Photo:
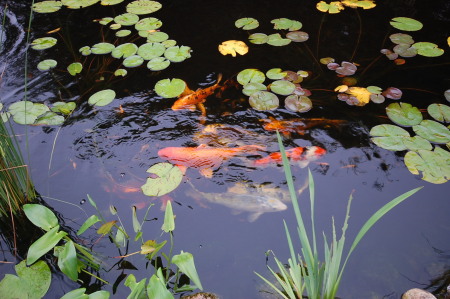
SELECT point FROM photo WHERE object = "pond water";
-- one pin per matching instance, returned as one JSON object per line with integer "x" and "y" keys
{"x": 105, "y": 152}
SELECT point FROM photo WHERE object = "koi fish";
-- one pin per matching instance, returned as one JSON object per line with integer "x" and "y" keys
{"x": 302, "y": 156}
{"x": 194, "y": 99}
{"x": 299, "y": 125}
{"x": 205, "y": 159}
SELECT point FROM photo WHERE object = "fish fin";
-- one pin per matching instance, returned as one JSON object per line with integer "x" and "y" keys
{"x": 206, "y": 172}
{"x": 186, "y": 92}
{"x": 219, "y": 78}
{"x": 191, "y": 107}
{"x": 253, "y": 216}
{"x": 202, "y": 108}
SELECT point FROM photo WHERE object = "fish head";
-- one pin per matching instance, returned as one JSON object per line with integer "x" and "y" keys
{"x": 317, "y": 151}
{"x": 166, "y": 152}
{"x": 273, "y": 205}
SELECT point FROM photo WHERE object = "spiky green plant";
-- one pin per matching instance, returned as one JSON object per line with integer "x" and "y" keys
{"x": 306, "y": 274}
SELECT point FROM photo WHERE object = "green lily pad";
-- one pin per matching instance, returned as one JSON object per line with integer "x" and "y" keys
{"x": 158, "y": 64}
{"x": 251, "y": 88}
{"x": 282, "y": 87}
{"x": 374, "y": 89}
{"x": 264, "y": 100}
{"x": 258, "y": 38}
{"x": 169, "y": 43}
{"x": 275, "y": 74}
{"x": 167, "y": 88}
{"x": 115, "y": 26}
{"x": 250, "y": 76}
{"x": 297, "y": 36}
{"x": 432, "y": 131}
{"x": 46, "y": 64}
{"x": 286, "y": 24}
{"x": 102, "y": 97}
{"x": 406, "y": 24}
{"x": 447, "y": 95}
{"x": 133, "y": 61}
{"x": 247, "y": 23}
{"x": 50, "y": 119}
{"x": 75, "y": 68}
{"x": 298, "y": 103}
{"x": 404, "y": 114}
{"x": 276, "y": 40}
{"x": 126, "y": 19}
{"x": 120, "y": 72}
{"x": 157, "y": 37}
{"x": 148, "y": 24}
{"x": 149, "y": 51}
{"x": 165, "y": 178}
{"x": 77, "y": 4}
{"x": 47, "y": 6}
{"x": 43, "y": 43}
{"x": 332, "y": 8}
{"x": 416, "y": 143}
{"x": 63, "y": 107}
{"x": 389, "y": 137}
{"x": 428, "y": 49}
{"x": 401, "y": 38}
{"x": 110, "y": 2}
{"x": 102, "y": 48}
{"x": 123, "y": 33}
{"x": 124, "y": 50}
{"x": 439, "y": 112}
{"x": 178, "y": 53}
{"x": 434, "y": 165}
{"x": 405, "y": 50}
{"x": 85, "y": 51}
{"x": 105, "y": 20}
{"x": 143, "y": 7}
{"x": 26, "y": 112}
{"x": 377, "y": 98}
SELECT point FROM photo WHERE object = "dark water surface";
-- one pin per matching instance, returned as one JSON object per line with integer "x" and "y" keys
{"x": 101, "y": 151}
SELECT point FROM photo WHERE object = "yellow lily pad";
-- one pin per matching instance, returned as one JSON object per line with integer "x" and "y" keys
{"x": 232, "y": 47}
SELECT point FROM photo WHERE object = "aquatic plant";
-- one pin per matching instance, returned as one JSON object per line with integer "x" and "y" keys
{"x": 306, "y": 274}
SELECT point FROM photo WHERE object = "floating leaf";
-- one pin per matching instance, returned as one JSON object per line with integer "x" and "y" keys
{"x": 251, "y": 88}
{"x": 158, "y": 63}
{"x": 365, "y": 4}
{"x": 85, "y": 51}
{"x": 157, "y": 37}
{"x": 67, "y": 260}
{"x": 282, "y": 87}
{"x": 275, "y": 74}
{"x": 120, "y": 72}
{"x": 75, "y": 68}
{"x": 298, "y": 103}
{"x": 264, "y": 100}
{"x": 326, "y": 60}
{"x": 401, "y": 38}
{"x": 148, "y": 24}
{"x": 143, "y": 7}
{"x": 43, "y": 43}
{"x": 50, "y": 119}
{"x": 123, "y": 33}
{"x": 432, "y": 131}
{"x": 26, "y": 112}
{"x": 47, "y": 6}
{"x": 124, "y": 50}
{"x": 374, "y": 89}
{"x": 106, "y": 227}
{"x": 416, "y": 143}
{"x": 165, "y": 178}
{"x": 428, "y": 49}
{"x": 346, "y": 68}
{"x": 297, "y": 36}
{"x": 405, "y": 50}
{"x": 447, "y": 95}
{"x": 434, "y": 165}
{"x": 404, "y": 114}
{"x": 76, "y": 4}
{"x": 258, "y": 38}
{"x": 169, "y": 43}
{"x": 361, "y": 94}
{"x": 102, "y": 97}
{"x": 115, "y": 26}
{"x": 377, "y": 98}
{"x": 46, "y": 64}
{"x": 111, "y": 2}
{"x": 286, "y": 24}
{"x": 126, "y": 19}
{"x": 232, "y": 47}
{"x": 151, "y": 50}
{"x": 250, "y": 76}
{"x": 247, "y": 23}
{"x": 133, "y": 61}
{"x": 102, "y": 48}
{"x": 167, "y": 88}
{"x": 276, "y": 40}
{"x": 439, "y": 112}
{"x": 44, "y": 244}
{"x": 406, "y": 24}
{"x": 389, "y": 137}
{"x": 80, "y": 294}
{"x": 105, "y": 20}
{"x": 63, "y": 107}
{"x": 40, "y": 216}
{"x": 332, "y": 8}
{"x": 178, "y": 53}
{"x": 392, "y": 93}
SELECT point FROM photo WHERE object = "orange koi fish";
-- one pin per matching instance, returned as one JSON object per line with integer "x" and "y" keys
{"x": 194, "y": 99}
{"x": 205, "y": 159}
{"x": 300, "y": 155}
{"x": 298, "y": 125}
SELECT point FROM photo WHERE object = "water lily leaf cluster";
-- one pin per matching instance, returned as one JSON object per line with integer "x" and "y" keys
{"x": 344, "y": 69}
{"x": 29, "y": 113}
{"x": 360, "y": 96}
{"x": 135, "y": 7}
{"x": 284, "y": 83}
{"x": 424, "y": 153}
{"x": 337, "y": 6}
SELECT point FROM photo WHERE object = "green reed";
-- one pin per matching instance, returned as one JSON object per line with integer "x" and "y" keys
{"x": 305, "y": 273}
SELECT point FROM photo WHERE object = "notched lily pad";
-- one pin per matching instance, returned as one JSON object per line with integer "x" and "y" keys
{"x": 298, "y": 103}
{"x": 46, "y": 64}
{"x": 77, "y": 4}
{"x": 297, "y": 36}
{"x": 258, "y": 38}
{"x": 165, "y": 178}
{"x": 404, "y": 114}
{"x": 85, "y": 51}
{"x": 75, "y": 68}
{"x": 332, "y": 8}
{"x": 102, "y": 97}
{"x": 157, "y": 37}
{"x": 120, "y": 72}
{"x": 282, "y": 87}
{"x": 50, "y": 119}
{"x": 123, "y": 33}
{"x": 43, "y": 43}
{"x": 439, "y": 112}
{"x": 401, "y": 38}
{"x": 389, "y": 137}
{"x": 406, "y": 24}
{"x": 178, "y": 53}
{"x": 428, "y": 49}
{"x": 158, "y": 63}
{"x": 264, "y": 100}
{"x": 286, "y": 24}
{"x": 276, "y": 74}
{"x": 63, "y": 107}
{"x": 278, "y": 41}
{"x": 433, "y": 131}
{"x": 434, "y": 165}
{"x": 251, "y": 88}
{"x": 102, "y": 48}
{"x": 168, "y": 88}
{"x": 250, "y": 76}
{"x": 149, "y": 51}
{"x": 232, "y": 47}
{"x": 148, "y": 24}
{"x": 247, "y": 23}
{"x": 133, "y": 61}
{"x": 47, "y": 6}
{"x": 124, "y": 50}
{"x": 126, "y": 19}
{"x": 143, "y": 7}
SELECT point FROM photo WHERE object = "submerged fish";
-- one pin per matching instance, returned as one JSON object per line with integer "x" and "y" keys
{"x": 205, "y": 159}
{"x": 194, "y": 99}
{"x": 243, "y": 198}
{"x": 302, "y": 156}
{"x": 218, "y": 135}
{"x": 299, "y": 125}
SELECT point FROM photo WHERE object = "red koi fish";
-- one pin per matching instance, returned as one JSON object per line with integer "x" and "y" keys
{"x": 205, "y": 159}
{"x": 298, "y": 125}
{"x": 194, "y": 99}
{"x": 300, "y": 155}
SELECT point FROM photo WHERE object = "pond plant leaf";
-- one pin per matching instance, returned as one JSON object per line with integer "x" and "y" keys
{"x": 80, "y": 294}
{"x": 169, "y": 219}
{"x": 332, "y": 8}
{"x": 26, "y": 112}
{"x": 168, "y": 88}
{"x": 143, "y": 7}
{"x": 133, "y": 61}
{"x": 185, "y": 261}
{"x": 326, "y": 60}
{"x": 106, "y": 227}
{"x": 275, "y": 74}
{"x": 93, "y": 219}
{"x": 392, "y": 93}
{"x": 123, "y": 33}
{"x": 286, "y": 24}
{"x": 377, "y": 98}
{"x": 258, "y": 38}
{"x": 169, "y": 43}
{"x": 405, "y": 50}
{"x": 124, "y": 50}
{"x": 126, "y": 19}
{"x": 346, "y": 68}
{"x": 77, "y": 4}
{"x": 433, "y": 131}
{"x": 115, "y": 26}
{"x": 156, "y": 287}
{"x": 40, "y": 216}
{"x": 148, "y": 24}
{"x": 374, "y": 89}
{"x": 102, "y": 97}
{"x": 247, "y": 23}
{"x": 297, "y": 36}
{"x": 44, "y": 244}
{"x": 278, "y": 41}
{"x": 389, "y": 137}
{"x": 447, "y": 95}
{"x": 264, "y": 101}
{"x": 404, "y": 114}
{"x": 47, "y": 6}
{"x": 46, "y": 64}
{"x": 102, "y": 48}
{"x": 63, "y": 107}
{"x": 253, "y": 87}
{"x": 110, "y": 2}
{"x": 151, "y": 50}
{"x": 232, "y": 47}
{"x": 434, "y": 165}
{"x": 360, "y": 94}
{"x": 165, "y": 178}
{"x": 105, "y": 20}
{"x": 365, "y": 4}
{"x": 416, "y": 143}
{"x": 282, "y": 87}
{"x": 298, "y": 103}
{"x": 401, "y": 38}
{"x": 75, "y": 68}
{"x": 67, "y": 260}
{"x": 428, "y": 49}
{"x": 120, "y": 72}
{"x": 157, "y": 37}
{"x": 43, "y": 43}
{"x": 85, "y": 51}
{"x": 158, "y": 63}
{"x": 406, "y": 24}
{"x": 250, "y": 76}
{"x": 178, "y": 53}
{"x": 439, "y": 112}
{"x": 50, "y": 119}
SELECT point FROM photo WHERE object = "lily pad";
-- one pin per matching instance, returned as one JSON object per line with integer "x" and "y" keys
{"x": 374, "y": 89}
{"x": 133, "y": 61}
{"x": 401, "y": 38}
{"x": 26, "y": 112}
{"x": 297, "y": 36}
{"x": 428, "y": 49}
{"x": 46, "y": 64}
{"x": 75, "y": 68}
{"x": 298, "y": 103}
{"x": 102, "y": 97}
{"x": 416, "y": 143}
{"x": 126, "y": 19}
{"x": 247, "y": 23}
{"x": 63, "y": 107}
{"x": 50, "y": 119}
{"x": 169, "y": 43}
{"x": 389, "y": 137}
{"x": 433, "y": 131}
{"x": 167, "y": 88}
{"x": 286, "y": 24}
{"x": 332, "y": 8}
{"x": 232, "y": 47}
{"x": 439, "y": 112}
{"x": 405, "y": 50}
{"x": 250, "y": 76}
{"x": 143, "y": 7}
{"x": 165, "y": 178}
{"x": 120, "y": 72}
{"x": 124, "y": 50}
{"x": 264, "y": 100}
{"x": 47, "y": 6}
{"x": 102, "y": 48}
{"x": 77, "y": 4}
{"x": 251, "y": 88}
{"x": 43, "y": 43}
{"x": 276, "y": 40}
{"x": 404, "y": 114}
{"x": 258, "y": 38}
{"x": 365, "y": 4}
{"x": 158, "y": 63}
{"x": 377, "y": 98}
{"x": 447, "y": 95}
{"x": 282, "y": 87}
{"x": 276, "y": 74}
{"x": 115, "y": 26}
{"x": 392, "y": 93}
{"x": 123, "y": 33}
{"x": 148, "y": 24}
{"x": 149, "y": 51}
{"x": 434, "y": 165}
{"x": 157, "y": 37}
{"x": 105, "y": 20}
{"x": 85, "y": 51}
{"x": 178, "y": 53}
{"x": 110, "y": 2}
{"x": 406, "y": 24}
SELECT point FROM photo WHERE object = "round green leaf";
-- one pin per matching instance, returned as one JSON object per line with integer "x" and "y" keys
{"x": 26, "y": 112}
{"x": 286, "y": 24}
{"x": 428, "y": 49}
{"x": 167, "y": 88}
{"x": 148, "y": 24}
{"x": 275, "y": 74}
{"x": 297, "y": 36}
{"x": 165, "y": 178}
{"x": 374, "y": 89}
{"x": 43, "y": 43}
{"x": 390, "y": 137}
{"x": 401, "y": 38}
{"x": 447, "y": 95}
{"x": 105, "y": 20}
{"x": 133, "y": 61}
{"x": 115, "y": 26}
{"x": 49, "y": 119}
{"x": 102, "y": 97}
{"x": 169, "y": 43}
{"x": 63, "y": 107}
{"x": 158, "y": 63}
{"x": 434, "y": 165}
{"x": 416, "y": 143}
{"x": 405, "y": 50}
{"x": 126, "y": 19}
{"x": 298, "y": 103}
{"x": 264, "y": 100}
{"x": 282, "y": 87}
{"x": 149, "y": 51}
{"x": 123, "y": 33}
{"x": 432, "y": 131}
{"x": 47, "y": 6}
{"x": 76, "y": 4}
{"x": 251, "y": 88}
{"x": 124, "y": 50}
{"x": 111, "y": 2}
{"x": 47, "y": 64}
{"x": 143, "y": 7}
{"x": 75, "y": 68}
{"x": 247, "y": 23}
{"x": 250, "y": 76}
{"x": 406, "y": 24}
{"x": 157, "y": 37}
{"x": 102, "y": 48}
{"x": 388, "y": 131}
{"x": 120, "y": 72}
{"x": 439, "y": 112}
{"x": 177, "y": 53}
{"x": 85, "y": 51}
{"x": 258, "y": 38}
{"x": 276, "y": 40}
{"x": 404, "y": 114}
